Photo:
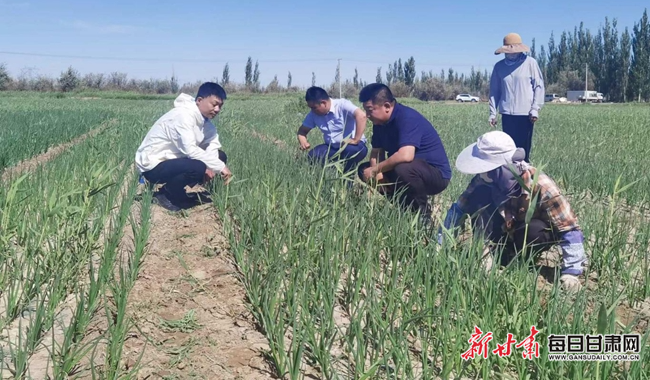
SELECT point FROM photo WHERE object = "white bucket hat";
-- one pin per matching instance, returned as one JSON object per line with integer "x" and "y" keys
{"x": 491, "y": 150}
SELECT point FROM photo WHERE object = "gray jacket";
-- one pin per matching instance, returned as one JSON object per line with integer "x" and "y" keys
{"x": 516, "y": 89}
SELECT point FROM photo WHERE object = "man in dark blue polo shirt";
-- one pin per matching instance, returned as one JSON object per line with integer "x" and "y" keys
{"x": 417, "y": 165}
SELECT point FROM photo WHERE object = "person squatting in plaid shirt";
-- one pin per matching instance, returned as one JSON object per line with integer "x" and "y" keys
{"x": 499, "y": 203}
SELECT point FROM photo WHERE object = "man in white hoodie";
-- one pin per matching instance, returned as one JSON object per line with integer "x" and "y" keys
{"x": 183, "y": 149}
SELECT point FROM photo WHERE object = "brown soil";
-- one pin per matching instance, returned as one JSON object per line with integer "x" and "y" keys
{"x": 186, "y": 273}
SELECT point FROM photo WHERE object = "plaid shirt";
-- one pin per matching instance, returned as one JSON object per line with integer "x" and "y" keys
{"x": 551, "y": 206}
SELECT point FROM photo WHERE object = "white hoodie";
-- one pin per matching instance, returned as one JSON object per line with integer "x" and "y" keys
{"x": 181, "y": 132}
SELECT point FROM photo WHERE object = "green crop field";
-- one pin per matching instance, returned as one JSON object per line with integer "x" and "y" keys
{"x": 341, "y": 283}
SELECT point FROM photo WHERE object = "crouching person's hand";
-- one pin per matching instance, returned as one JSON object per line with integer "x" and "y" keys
{"x": 226, "y": 175}
{"x": 304, "y": 145}
{"x": 370, "y": 173}
{"x": 209, "y": 175}
{"x": 570, "y": 283}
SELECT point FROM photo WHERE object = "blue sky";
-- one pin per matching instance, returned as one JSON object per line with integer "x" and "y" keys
{"x": 196, "y": 38}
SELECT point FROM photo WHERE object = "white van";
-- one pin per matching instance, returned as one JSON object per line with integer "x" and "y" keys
{"x": 549, "y": 98}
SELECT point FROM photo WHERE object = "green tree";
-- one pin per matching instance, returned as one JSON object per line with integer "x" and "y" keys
{"x": 389, "y": 75}
{"x": 552, "y": 66}
{"x": 640, "y": 66}
{"x": 623, "y": 72}
{"x": 533, "y": 50}
{"x": 225, "y": 75}
{"x": 563, "y": 53}
{"x": 400, "y": 71}
{"x": 609, "y": 61}
{"x": 409, "y": 71}
{"x": 249, "y": 72}
{"x": 173, "y": 84}
{"x": 274, "y": 86}
{"x": 542, "y": 62}
{"x": 5, "y": 79}
{"x": 69, "y": 80}
{"x": 256, "y": 76}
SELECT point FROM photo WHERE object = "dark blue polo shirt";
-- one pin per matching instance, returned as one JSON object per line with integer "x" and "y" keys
{"x": 407, "y": 126}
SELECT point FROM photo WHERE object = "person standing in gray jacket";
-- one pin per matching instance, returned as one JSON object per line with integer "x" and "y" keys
{"x": 517, "y": 90}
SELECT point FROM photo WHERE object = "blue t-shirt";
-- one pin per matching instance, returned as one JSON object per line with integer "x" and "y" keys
{"x": 338, "y": 124}
{"x": 407, "y": 126}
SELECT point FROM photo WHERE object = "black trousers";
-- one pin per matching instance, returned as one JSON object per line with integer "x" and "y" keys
{"x": 520, "y": 128}
{"x": 178, "y": 173}
{"x": 414, "y": 181}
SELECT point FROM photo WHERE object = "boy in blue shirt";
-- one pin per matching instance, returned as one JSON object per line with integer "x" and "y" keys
{"x": 342, "y": 124}
{"x": 417, "y": 165}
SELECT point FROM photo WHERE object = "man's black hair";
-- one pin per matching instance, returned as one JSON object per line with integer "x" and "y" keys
{"x": 316, "y": 94}
{"x": 378, "y": 93}
{"x": 208, "y": 89}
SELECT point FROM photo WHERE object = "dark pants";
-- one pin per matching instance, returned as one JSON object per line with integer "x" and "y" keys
{"x": 539, "y": 237}
{"x": 520, "y": 128}
{"x": 178, "y": 173}
{"x": 351, "y": 155}
{"x": 414, "y": 181}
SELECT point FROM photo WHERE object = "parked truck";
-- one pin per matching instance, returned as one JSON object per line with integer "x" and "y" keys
{"x": 584, "y": 96}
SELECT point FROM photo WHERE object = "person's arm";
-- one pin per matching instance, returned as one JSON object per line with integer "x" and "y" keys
{"x": 573, "y": 257}
{"x": 377, "y": 155}
{"x": 573, "y": 251}
{"x": 360, "y": 125}
{"x": 304, "y": 129}
{"x": 404, "y": 154}
{"x": 562, "y": 218}
{"x": 538, "y": 90}
{"x": 182, "y": 136}
{"x": 350, "y": 110}
{"x": 211, "y": 143}
{"x": 302, "y": 137}
{"x": 495, "y": 96}
{"x": 458, "y": 211}
{"x": 212, "y": 146}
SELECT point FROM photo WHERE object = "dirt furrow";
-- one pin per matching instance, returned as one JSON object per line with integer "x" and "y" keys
{"x": 188, "y": 305}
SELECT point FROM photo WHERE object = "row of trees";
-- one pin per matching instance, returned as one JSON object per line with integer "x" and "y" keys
{"x": 400, "y": 77}
{"x": 617, "y": 64}
{"x": 71, "y": 80}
